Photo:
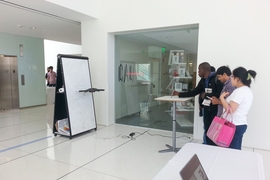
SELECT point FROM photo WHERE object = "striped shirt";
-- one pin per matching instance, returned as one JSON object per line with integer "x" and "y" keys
{"x": 52, "y": 77}
{"x": 227, "y": 87}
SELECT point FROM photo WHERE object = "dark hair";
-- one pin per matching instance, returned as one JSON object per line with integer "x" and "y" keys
{"x": 206, "y": 66}
{"x": 244, "y": 75}
{"x": 213, "y": 69}
{"x": 224, "y": 69}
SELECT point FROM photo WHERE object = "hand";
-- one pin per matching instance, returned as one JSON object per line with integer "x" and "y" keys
{"x": 214, "y": 100}
{"x": 224, "y": 94}
{"x": 175, "y": 93}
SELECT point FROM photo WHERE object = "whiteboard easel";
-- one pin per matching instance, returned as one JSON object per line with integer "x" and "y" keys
{"x": 76, "y": 108}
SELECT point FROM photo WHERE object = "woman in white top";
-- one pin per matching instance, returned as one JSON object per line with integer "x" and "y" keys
{"x": 240, "y": 102}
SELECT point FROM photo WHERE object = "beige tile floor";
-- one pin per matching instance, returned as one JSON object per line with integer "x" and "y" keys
{"x": 29, "y": 150}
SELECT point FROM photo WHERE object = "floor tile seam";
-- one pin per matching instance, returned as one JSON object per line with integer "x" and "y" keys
{"x": 12, "y": 115}
{"x": 33, "y": 153}
{"x": 24, "y": 144}
{"x": 22, "y": 123}
{"x": 56, "y": 144}
{"x": 254, "y": 149}
{"x": 28, "y": 115}
{"x": 36, "y": 119}
{"x": 95, "y": 159}
{"x": 137, "y": 127}
{"x": 178, "y": 134}
{"x": 177, "y": 128}
{"x": 130, "y": 140}
{"x": 23, "y": 135}
{"x": 76, "y": 166}
{"x": 5, "y": 146}
{"x": 103, "y": 173}
{"x": 29, "y": 154}
{"x": 15, "y": 116}
{"x": 102, "y": 126}
{"x": 34, "y": 108}
{"x": 13, "y": 149}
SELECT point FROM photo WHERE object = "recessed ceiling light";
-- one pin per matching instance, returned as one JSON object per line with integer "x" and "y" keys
{"x": 169, "y": 37}
{"x": 20, "y": 26}
{"x": 33, "y": 28}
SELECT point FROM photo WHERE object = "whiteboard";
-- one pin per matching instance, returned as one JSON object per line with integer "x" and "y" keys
{"x": 76, "y": 75}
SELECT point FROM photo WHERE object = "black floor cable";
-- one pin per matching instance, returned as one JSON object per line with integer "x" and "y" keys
{"x": 132, "y": 138}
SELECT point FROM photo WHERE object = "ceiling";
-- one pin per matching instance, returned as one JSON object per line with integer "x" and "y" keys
{"x": 42, "y": 19}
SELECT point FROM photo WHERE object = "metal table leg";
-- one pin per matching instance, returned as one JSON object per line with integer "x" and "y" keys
{"x": 173, "y": 147}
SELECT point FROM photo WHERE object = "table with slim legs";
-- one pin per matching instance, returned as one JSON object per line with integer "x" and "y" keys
{"x": 173, "y": 99}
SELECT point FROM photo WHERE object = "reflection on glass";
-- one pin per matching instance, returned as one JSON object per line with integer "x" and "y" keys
{"x": 144, "y": 71}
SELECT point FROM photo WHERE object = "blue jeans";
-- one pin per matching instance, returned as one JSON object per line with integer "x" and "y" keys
{"x": 208, "y": 116}
{"x": 238, "y": 136}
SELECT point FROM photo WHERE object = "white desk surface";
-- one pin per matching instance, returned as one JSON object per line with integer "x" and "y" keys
{"x": 219, "y": 163}
{"x": 172, "y": 98}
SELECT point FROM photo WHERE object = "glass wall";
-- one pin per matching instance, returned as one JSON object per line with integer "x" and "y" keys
{"x": 150, "y": 65}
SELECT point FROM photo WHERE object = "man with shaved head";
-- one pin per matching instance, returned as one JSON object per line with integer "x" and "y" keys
{"x": 208, "y": 86}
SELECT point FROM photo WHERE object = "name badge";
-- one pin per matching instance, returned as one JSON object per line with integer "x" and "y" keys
{"x": 206, "y": 102}
{"x": 208, "y": 90}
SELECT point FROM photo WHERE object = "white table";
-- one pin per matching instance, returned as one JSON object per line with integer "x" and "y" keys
{"x": 219, "y": 163}
{"x": 173, "y": 99}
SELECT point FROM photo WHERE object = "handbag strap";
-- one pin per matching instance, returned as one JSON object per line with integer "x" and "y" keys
{"x": 228, "y": 111}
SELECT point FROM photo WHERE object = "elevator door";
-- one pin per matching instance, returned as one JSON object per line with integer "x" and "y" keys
{"x": 9, "y": 92}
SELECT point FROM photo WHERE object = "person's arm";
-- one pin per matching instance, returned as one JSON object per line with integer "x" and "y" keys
{"x": 215, "y": 100}
{"x": 197, "y": 90}
{"x": 227, "y": 88}
{"x": 226, "y": 105}
{"x": 217, "y": 87}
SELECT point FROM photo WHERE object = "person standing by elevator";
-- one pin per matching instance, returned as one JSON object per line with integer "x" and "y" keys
{"x": 51, "y": 77}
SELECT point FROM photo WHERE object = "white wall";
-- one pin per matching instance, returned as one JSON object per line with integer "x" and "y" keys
{"x": 234, "y": 33}
{"x": 53, "y": 48}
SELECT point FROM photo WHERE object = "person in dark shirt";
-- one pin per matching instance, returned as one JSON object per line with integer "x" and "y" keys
{"x": 208, "y": 86}
{"x": 46, "y": 75}
{"x": 213, "y": 69}
{"x": 200, "y": 100}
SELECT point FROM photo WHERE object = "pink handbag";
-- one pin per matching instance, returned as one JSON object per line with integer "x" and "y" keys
{"x": 221, "y": 131}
